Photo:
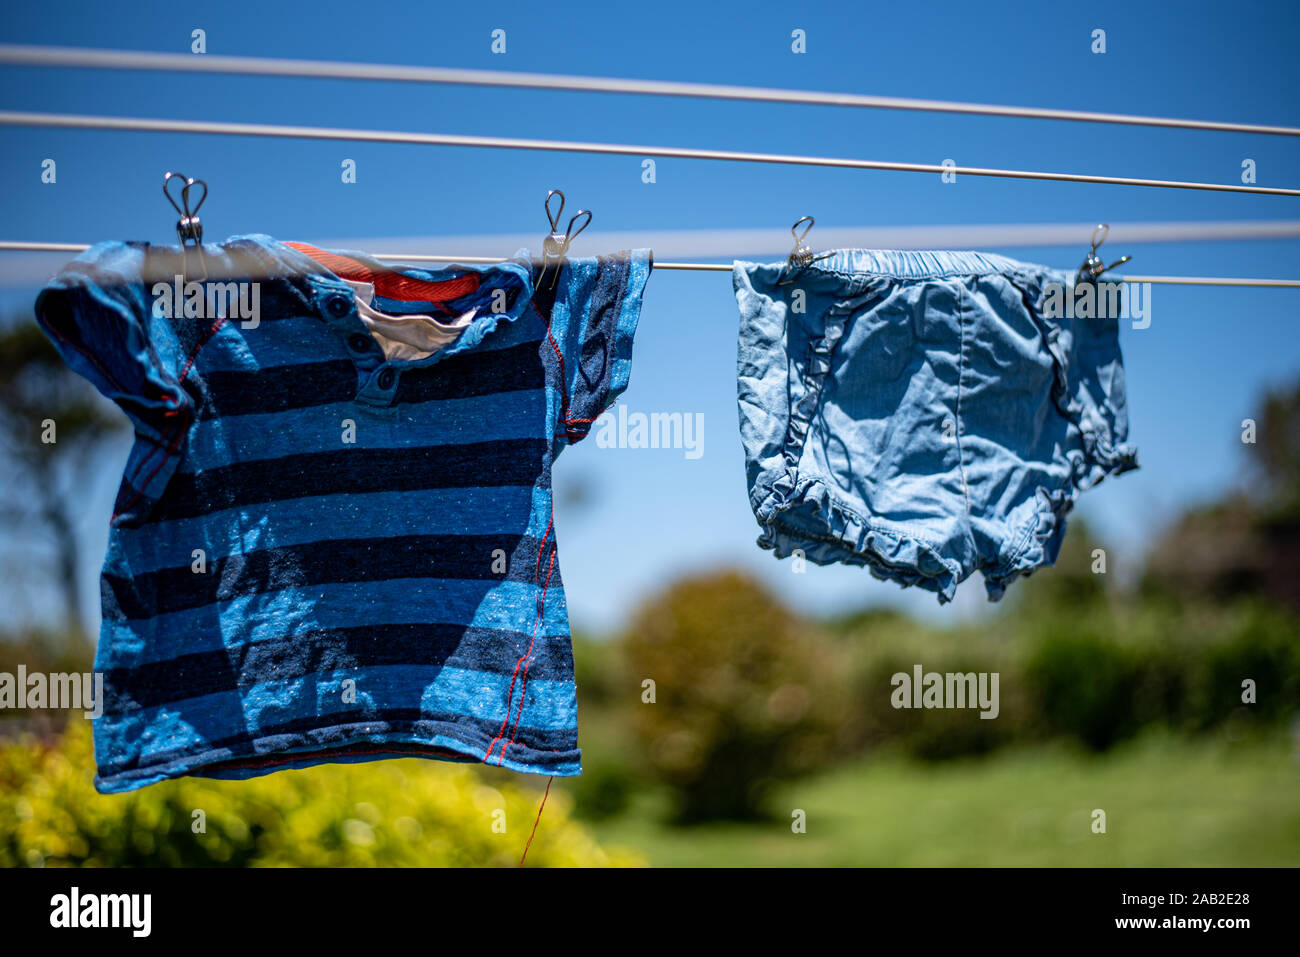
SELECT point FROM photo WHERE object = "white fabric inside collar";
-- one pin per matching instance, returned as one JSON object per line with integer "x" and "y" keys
{"x": 405, "y": 337}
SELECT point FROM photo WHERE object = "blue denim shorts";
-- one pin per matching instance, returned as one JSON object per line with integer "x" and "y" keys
{"x": 922, "y": 413}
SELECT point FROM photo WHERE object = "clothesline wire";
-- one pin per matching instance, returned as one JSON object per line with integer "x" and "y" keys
{"x": 17, "y": 246}
{"x": 53, "y": 56}
{"x": 1154, "y": 280}
{"x": 747, "y": 243}
{"x": 150, "y": 125}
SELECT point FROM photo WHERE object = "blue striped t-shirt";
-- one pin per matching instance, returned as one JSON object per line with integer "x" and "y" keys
{"x": 334, "y": 540}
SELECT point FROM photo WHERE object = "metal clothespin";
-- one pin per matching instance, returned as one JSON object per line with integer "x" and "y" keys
{"x": 1093, "y": 266}
{"x": 189, "y": 228}
{"x": 556, "y": 245}
{"x": 801, "y": 256}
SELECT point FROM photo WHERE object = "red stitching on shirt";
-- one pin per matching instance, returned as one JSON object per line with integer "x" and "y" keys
{"x": 564, "y": 382}
{"x": 181, "y": 427}
{"x": 525, "y": 661}
{"x": 569, "y": 421}
{"x": 139, "y": 492}
{"x": 212, "y": 331}
{"x": 537, "y": 574}
{"x": 175, "y": 409}
{"x": 523, "y": 688}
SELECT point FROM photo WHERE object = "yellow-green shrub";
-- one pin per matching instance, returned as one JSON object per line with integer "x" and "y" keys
{"x": 408, "y": 812}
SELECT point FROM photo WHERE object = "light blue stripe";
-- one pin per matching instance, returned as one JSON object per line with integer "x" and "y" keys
{"x": 230, "y": 625}
{"x": 243, "y": 438}
{"x": 621, "y": 365}
{"x": 507, "y": 511}
{"x": 548, "y": 706}
{"x": 279, "y": 342}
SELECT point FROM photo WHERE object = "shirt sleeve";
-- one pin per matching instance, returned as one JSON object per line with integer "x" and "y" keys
{"x": 592, "y": 323}
{"x": 99, "y": 314}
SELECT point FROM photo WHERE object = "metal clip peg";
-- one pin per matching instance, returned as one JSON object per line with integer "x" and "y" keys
{"x": 1093, "y": 265}
{"x": 189, "y": 228}
{"x": 801, "y": 256}
{"x": 556, "y": 245}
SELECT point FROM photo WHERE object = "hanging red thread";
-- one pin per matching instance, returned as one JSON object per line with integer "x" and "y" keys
{"x": 539, "y": 818}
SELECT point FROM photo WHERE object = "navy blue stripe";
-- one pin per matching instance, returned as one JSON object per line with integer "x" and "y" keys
{"x": 331, "y": 650}
{"x": 506, "y": 462}
{"x": 323, "y": 562}
{"x": 299, "y": 386}
{"x": 481, "y": 372}
{"x": 278, "y": 389}
{"x": 384, "y": 720}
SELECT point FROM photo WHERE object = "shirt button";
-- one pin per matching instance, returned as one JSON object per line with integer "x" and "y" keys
{"x": 359, "y": 343}
{"x": 386, "y": 379}
{"x": 338, "y": 306}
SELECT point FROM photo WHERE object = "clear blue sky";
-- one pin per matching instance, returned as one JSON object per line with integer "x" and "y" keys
{"x": 653, "y": 514}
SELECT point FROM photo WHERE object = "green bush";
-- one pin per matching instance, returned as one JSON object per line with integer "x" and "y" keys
{"x": 1259, "y": 643}
{"x": 406, "y": 812}
{"x": 744, "y": 695}
{"x": 934, "y": 734}
{"x": 876, "y": 647}
{"x": 604, "y": 789}
{"x": 1099, "y": 679}
{"x": 1085, "y": 686}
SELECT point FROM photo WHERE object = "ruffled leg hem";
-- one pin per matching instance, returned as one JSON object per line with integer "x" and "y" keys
{"x": 806, "y": 519}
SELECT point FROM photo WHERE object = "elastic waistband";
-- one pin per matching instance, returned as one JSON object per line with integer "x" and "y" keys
{"x": 916, "y": 263}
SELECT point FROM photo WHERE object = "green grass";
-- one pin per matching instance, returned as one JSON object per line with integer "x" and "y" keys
{"x": 1168, "y": 802}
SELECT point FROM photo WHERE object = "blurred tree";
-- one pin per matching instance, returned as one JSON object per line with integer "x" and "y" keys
{"x": 1248, "y": 543}
{"x": 743, "y": 694}
{"x": 1213, "y": 552}
{"x": 1277, "y": 452}
{"x": 44, "y": 497}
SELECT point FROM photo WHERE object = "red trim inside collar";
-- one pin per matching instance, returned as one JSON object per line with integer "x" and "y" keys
{"x": 390, "y": 284}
